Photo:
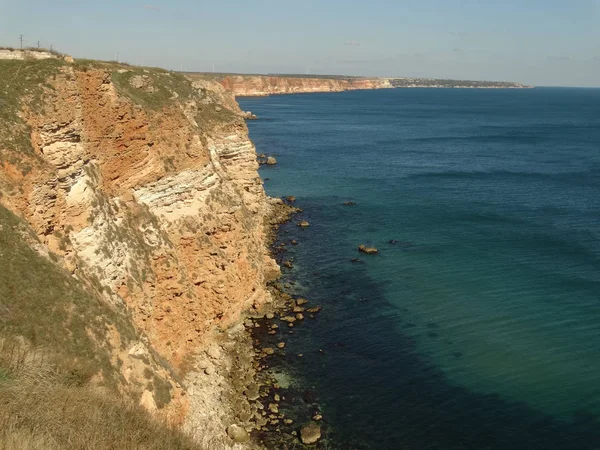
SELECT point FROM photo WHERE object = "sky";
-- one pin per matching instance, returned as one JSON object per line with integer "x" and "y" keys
{"x": 540, "y": 42}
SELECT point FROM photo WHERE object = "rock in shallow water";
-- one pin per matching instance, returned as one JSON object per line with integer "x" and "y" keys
{"x": 367, "y": 250}
{"x": 310, "y": 433}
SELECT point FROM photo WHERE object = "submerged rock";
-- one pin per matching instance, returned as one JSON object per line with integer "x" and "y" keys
{"x": 349, "y": 203}
{"x": 310, "y": 433}
{"x": 367, "y": 250}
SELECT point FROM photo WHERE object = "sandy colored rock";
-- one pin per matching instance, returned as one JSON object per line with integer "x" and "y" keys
{"x": 237, "y": 433}
{"x": 368, "y": 250}
{"x": 310, "y": 433}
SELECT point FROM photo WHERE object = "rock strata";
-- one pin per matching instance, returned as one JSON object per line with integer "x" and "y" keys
{"x": 144, "y": 188}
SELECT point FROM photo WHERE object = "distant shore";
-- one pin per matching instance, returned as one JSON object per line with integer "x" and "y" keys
{"x": 243, "y": 85}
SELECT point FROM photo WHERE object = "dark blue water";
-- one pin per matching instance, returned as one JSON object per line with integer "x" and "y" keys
{"x": 480, "y": 327}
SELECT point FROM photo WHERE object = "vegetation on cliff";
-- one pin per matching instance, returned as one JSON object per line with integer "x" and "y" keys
{"x": 58, "y": 387}
{"x": 22, "y": 83}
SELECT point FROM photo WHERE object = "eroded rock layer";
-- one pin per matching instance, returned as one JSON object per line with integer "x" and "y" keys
{"x": 144, "y": 185}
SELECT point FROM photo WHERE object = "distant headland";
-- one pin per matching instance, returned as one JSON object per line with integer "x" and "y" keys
{"x": 247, "y": 85}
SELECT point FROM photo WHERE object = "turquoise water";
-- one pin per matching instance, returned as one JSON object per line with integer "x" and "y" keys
{"x": 480, "y": 327}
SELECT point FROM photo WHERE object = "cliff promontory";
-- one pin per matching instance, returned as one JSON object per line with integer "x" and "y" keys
{"x": 133, "y": 236}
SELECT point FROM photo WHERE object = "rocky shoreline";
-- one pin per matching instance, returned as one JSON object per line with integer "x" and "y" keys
{"x": 232, "y": 385}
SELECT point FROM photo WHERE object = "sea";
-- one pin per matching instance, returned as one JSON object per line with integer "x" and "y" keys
{"x": 477, "y": 325}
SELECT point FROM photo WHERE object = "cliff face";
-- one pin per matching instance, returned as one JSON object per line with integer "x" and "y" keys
{"x": 251, "y": 85}
{"x": 143, "y": 187}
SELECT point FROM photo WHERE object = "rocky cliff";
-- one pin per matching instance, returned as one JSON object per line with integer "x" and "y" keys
{"x": 142, "y": 187}
{"x": 258, "y": 85}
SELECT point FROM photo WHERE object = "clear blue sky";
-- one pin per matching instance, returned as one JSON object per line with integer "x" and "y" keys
{"x": 542, "y": 42}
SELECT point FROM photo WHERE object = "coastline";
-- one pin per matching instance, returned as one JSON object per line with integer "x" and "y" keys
{"x": 266, "y": 85}
{"x": 231, "y": 388}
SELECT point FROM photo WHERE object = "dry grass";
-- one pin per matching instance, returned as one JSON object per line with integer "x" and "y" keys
{"x": 22, "y": 83}
{"x": 42, "y": 303}
{"x": 40, "y": 409}
{"x": 58, "y": 388}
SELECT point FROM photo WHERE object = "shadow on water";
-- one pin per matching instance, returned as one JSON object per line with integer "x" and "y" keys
{"x": 376, "y": 389}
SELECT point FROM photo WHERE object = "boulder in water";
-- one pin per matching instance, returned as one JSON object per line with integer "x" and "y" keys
{"x": 310, "y": 433}
{"x": 367, "y": 250}
{"x": 271, "y": 161}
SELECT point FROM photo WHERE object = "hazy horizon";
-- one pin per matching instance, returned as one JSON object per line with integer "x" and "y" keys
{"x": 542, "y": 43}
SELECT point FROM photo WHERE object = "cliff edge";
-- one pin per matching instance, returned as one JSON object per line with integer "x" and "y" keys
{"x": 133, "y": 199}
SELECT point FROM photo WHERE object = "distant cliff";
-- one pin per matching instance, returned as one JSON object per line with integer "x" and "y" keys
{"x": 260, "y": 85}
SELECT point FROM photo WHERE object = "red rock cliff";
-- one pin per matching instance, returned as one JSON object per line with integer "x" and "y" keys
{"x": 145, "y": 186}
